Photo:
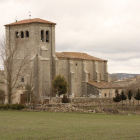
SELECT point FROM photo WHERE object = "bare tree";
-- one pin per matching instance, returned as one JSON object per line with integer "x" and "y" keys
{"x": 2, "y": 96}
{"x": 15, "y": 64}
{"x": 113, "y": 77}
{"x": 30, "y": 88}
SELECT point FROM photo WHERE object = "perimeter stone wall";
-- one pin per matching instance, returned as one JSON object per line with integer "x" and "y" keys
{"x": 88, "y": 101}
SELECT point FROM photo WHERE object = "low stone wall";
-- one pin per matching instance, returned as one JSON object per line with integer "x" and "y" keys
{"x": 67, "y": 107}
{"x": 87, "y": 101}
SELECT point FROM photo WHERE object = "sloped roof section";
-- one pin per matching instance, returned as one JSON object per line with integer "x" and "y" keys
{"x": 77, "y": 55}
{"x": 104, "y": 85}
{"x": 27, "y": 21}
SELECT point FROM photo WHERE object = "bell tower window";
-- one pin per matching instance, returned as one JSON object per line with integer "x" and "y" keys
{"x": 27, "y": 33}
{"x": 47, "y": 36}
{"x": 17, "y": 35}
{"x": 42, "y": 35}
{"x": 22, "y": 34}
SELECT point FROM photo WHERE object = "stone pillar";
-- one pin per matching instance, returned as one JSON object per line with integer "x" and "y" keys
{"x": 85, "y": 79}
{"x": 97, "y": 72}
{"x": 106, "y": 73}
{"x": 72, "y": 74}
{"x": 55, "y": 66}
{"x": 110, "y": 93}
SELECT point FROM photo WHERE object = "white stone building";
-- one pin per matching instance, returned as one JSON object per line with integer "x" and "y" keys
{"x": 86, "y": 75}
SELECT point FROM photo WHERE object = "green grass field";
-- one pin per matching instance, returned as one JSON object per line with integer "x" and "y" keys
{"x": 20, "y": 125}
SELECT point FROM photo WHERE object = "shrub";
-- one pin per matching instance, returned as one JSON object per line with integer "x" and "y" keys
{"x": 60, "y": 84}
{"x": 65, "y": 99}
{"x": 123, "y": 97}
{"x": 137, "y": 96}
{"x": 13, "y": 106}
{"x": 117, "y": 98}
{"x": 129, "y": 94}
{"x": 17, "y": 106}
{"x": 5, "y": 106}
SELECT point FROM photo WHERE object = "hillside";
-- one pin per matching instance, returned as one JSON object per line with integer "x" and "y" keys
{"x": 133, "y": 82}
{"x": 122, "y": 75}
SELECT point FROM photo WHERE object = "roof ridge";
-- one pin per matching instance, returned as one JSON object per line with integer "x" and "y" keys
{"x": 104, "y": 84}
{"x": 27, "y": 21}
{"x": 78, "y": 55}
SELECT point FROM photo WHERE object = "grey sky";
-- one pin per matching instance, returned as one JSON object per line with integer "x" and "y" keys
{"x": 108, "y": 29}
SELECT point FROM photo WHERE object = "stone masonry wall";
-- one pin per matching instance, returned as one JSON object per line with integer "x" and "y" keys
{"x": 91, "y": 90}
{"x": 87, "y": 101}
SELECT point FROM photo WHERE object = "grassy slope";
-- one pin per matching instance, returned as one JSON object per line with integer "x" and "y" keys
{"x": 16, "y": 125}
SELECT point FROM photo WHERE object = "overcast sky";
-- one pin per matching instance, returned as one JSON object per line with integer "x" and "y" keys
{"x": 108, "y": 29}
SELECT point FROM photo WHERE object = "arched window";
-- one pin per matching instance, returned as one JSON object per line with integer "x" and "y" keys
{"x": 22, "y": 34}
{"x": 17, "y": 34}
{"x": 105, "y": 94}
{"x": 22, "y": 79}
{"x": 42, "y": 35}
{"x": 47, "y": 36}
{"x": 27, "y": 33}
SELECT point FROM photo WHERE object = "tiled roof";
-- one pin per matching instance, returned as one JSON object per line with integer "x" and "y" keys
{"x": 104, "y": 84}
{"x": 77, "y": 55}
{"x": 35, "y": 20}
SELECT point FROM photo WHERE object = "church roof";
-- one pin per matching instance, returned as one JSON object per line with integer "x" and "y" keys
{"x": 104, "y": 84}
{"x": 35, "y": 20}
{"x": 77, "y": 55}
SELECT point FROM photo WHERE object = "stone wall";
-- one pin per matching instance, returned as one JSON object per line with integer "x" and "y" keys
{"x": 88, "y": 101}
{"x": 82, "y": 72}
{"x": 91, "y": 90}
{"x": 84, "y": 100}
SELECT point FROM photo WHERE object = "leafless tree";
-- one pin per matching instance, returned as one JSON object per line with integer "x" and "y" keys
{"x": 114, "y": 78}
{"x": 15, "y": 64}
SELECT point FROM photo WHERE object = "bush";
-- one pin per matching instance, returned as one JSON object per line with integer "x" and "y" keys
{"x": 65, "y": 99}
{"x": 117, "y": 98}
{"x": 137, "y": 96}
{"x": 17, "y": 106}
{"x": 5, "y": 106}
{"x": 13, "y": 106}
{"x": 123, "y": 97}
{"x": 60, "y": 85}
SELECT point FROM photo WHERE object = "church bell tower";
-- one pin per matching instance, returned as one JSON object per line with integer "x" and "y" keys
{"x": 37, "y": 38}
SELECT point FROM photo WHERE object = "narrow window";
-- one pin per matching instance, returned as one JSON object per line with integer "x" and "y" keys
{"x": 17, "y": 35}
{"x": 22, "y": 34}
{"x": 22, "y": 79}
{"x": 27, "y": 33}
{"x": 42, "y": 35}
{"x": 105, "y": 94}
{"x": 47, "y": 36}
{"x": 76, "y": 64}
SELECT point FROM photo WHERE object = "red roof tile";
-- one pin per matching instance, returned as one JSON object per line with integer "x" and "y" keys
{"x": 77, "y": 55}
{"x": 104, "y": 84}
{"x": 35, "y": 20}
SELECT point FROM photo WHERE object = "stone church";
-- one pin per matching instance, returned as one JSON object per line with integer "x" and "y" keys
{"x": 87, "y": 76}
